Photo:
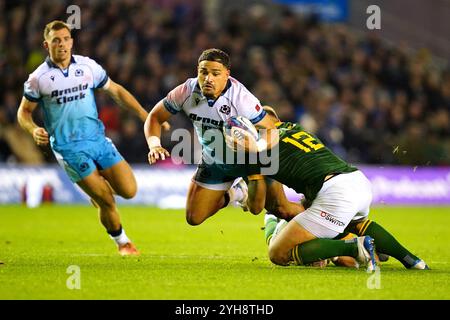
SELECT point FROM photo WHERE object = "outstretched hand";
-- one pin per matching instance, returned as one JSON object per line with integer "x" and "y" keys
{"x": 157, "y": 153}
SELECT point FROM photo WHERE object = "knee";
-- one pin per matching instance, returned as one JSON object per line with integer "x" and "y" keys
{"x": 278, "y": 256}
{"x": 127, "y": 190}
{"x": 287, "y": 212}
{"x": 129, "y": 193}
{"x": 194, "y": 218}
{"x": 105, "y": 201}
{"x": 283, "y": 215}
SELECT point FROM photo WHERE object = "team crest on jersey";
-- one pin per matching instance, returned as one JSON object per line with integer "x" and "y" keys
{"x": 79, "y": 73}
{"x": 225, "y": 109}
{"x": 53, "y": 78}
{"x": 84, "y": 166}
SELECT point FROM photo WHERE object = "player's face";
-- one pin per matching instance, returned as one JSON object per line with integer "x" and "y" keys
{"x": 212, "y": 78}
{"x": 59, "y": 44}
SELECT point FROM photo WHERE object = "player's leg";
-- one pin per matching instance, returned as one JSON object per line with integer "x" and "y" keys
{"x": 362, "y": 226}
{"x": 121, "y": 179}
{"x": 346, "y": 261}
{"x": 99, "y": 190}
{"x": 277, "y": 202}
{"x": 296, "y": 244}
{"x": 386, "y": 243}
{"x": 334, "y": 207}
{"x": 81, "y": 168}
{"x": 209, "y": 191}
{"x": 270, "y": 224}
{"x": 114, "y": 168}
{"x": 202, "y": 202}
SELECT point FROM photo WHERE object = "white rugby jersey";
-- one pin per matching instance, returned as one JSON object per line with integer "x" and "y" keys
{"x": 67, "y": 97}
{"x": 235, "y": 100}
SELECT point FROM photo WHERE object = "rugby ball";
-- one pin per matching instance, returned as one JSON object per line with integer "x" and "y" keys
{"x": 239, "y": 131}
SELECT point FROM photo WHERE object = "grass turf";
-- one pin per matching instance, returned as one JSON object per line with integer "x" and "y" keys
{"x": 224, "y": 258}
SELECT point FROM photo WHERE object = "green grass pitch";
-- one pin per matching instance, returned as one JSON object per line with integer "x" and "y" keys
{"x": 224, "y": 258}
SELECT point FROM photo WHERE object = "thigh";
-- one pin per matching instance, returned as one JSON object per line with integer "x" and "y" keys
{"x": 78, "y": 164}
{"x": 277, "y": 202}
{"x": 339, "y": 201}
{"x": 289, "y": 237}
{"x": 213, "y": 177}
{"x": 96, "y": 187}
{"x": 202, "y": 203}
{"x": 121, "y": 178}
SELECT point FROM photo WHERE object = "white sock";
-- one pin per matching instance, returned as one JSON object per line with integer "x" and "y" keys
{"x": 236, "y": 195}
{"x": 121, "y": 239}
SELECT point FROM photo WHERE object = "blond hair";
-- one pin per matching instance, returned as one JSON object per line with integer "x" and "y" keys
{"x": 55, "y": 25}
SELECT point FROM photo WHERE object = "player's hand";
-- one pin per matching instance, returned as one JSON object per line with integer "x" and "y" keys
{"x": 40, "y": 136}
{"x": 241, "y": 142}
{"x": 165, "y": 126}
{"x": 157, "y": 153}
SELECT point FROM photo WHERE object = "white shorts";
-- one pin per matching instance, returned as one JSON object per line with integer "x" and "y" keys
{"x": 341, "y": 199}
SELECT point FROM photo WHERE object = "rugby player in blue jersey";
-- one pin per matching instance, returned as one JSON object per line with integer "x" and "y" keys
{"x": 64, "y": 87}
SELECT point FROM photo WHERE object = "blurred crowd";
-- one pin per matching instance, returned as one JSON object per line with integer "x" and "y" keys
{"x": 369, "y": 101}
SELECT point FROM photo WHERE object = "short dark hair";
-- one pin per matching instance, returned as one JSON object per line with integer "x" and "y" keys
{"x": 215, "y": 55}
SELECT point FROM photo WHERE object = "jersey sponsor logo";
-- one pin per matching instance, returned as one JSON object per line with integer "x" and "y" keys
{"x": 225, "y": 109}
{"x": 332, "y": 219}
{"x": 64, "y": 97}
{"x": 206, "y": 121}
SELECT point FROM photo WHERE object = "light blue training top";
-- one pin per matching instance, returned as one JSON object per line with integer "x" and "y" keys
{"x": 67, "y": 99}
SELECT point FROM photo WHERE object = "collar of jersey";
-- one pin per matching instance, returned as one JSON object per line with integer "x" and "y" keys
{"x": 51, "y": 64}
{"x": 211, "y": 101}
{"x": 65, "y": 72}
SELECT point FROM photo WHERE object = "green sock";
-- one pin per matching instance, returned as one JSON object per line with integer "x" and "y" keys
{"x": 387, "y": 244}
{"x": 269, "y": 228}
{"x": 321, "y": 249}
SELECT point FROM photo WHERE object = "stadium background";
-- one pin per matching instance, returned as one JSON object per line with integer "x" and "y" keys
{"x": 376, "y": 97}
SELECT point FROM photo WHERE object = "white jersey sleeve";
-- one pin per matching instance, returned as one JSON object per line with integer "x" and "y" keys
{"x": 249, "y": 106}
{"x": 176, "y": 98}
{"x": 31, "y": 88}
{"x": 100, "y": 77}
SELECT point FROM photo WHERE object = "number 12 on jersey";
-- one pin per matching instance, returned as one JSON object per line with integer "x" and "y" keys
{"x": 304, "y": 141}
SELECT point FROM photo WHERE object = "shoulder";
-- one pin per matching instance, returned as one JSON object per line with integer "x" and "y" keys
{"x": 39, "y": 71}
{"x": 185, "y": 89}
{"x": 83, "y": 60}
{"x": 87, "y": 61}
{"x": 238, "y": 91}
{"x": 190, "y": 84}
{"x": 238, "y": 88}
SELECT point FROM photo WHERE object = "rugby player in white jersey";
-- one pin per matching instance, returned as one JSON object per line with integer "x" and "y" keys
{"x": 64, "y": 87}
{"x": 208, "y": 100}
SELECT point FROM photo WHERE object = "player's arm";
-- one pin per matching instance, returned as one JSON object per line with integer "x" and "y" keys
{"x": 257, "y": 189}
{"x": 125, "y": 99}
{"x": 152, "y": 130}
{"x": 25, "y": 119}
{"x": 268, "y": 133}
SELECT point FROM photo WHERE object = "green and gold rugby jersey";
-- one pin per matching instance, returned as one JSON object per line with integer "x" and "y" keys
{"x": 304, "y": 161}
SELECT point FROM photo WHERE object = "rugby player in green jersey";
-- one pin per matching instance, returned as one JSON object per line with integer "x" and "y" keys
{"x": 338, "y": 198}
